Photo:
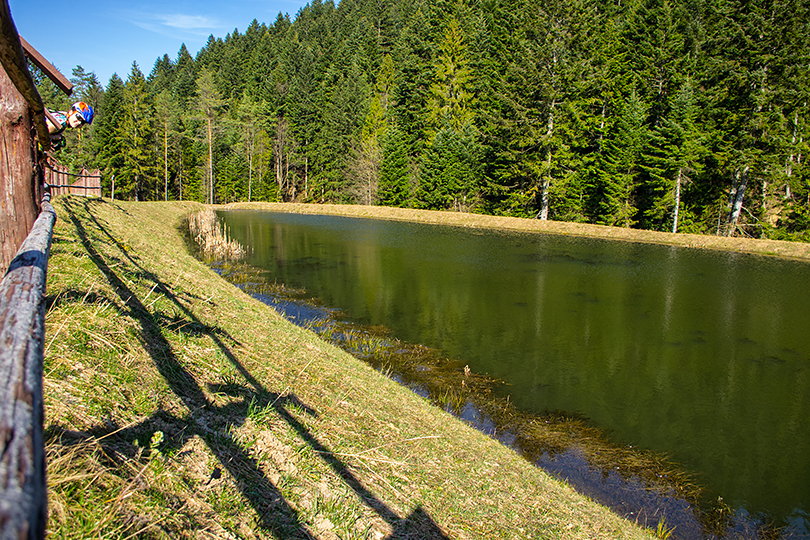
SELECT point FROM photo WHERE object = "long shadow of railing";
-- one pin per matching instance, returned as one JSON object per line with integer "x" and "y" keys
{"x": 274, "y": 513}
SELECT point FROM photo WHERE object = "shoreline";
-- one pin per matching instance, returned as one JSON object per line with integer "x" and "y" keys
{"x": 797, "y": 251}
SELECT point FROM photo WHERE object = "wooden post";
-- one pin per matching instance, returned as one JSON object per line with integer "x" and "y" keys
{"x": 22, "y": 122}
{"x": 12, "y": 59}
{"x": 19, "y": 179}
{"x": 23, "y": 502}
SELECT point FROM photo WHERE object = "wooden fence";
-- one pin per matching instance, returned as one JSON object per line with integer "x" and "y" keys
{"x": 26, "y": 227}
{"x": 23, "y": 507}
{"x": 61, "y": 182}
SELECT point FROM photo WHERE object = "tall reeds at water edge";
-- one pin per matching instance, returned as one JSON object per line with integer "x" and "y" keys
{"x": 211, "y": 236}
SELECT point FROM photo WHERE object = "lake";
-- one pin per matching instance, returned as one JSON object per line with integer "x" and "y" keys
{"x": 701, "y": 356}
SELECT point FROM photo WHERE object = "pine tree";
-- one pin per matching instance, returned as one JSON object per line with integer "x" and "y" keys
{"x": 451, "y": 100}
{"x": 618, "y": 165}
{"x": 412, "y": 61}
{"x": 450, "y": 171}
{"x": 673, "y": 154}
{"x": 135, "y": 137}
{"x": 365, "y": 166}
{"x": 249, "y": 115}
{"x": 450, "y": 166}
{"x": 184, "y": 79}
{"x": 394, "y": 188}
{"x": 161, "y": 79}
{"x": 209, "y": 103}
{"x": 106, "y": 140}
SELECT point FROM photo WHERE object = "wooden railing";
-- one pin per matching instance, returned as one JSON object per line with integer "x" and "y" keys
{"x": 61, "y": 182}
{"x": 26, "y": 226}
{"x": 22, "y": 327}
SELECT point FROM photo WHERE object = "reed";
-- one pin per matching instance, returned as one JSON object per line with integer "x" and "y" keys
{"x": 212, "y": 238}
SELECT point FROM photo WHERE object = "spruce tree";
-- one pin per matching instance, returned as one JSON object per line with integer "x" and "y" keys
{"x": 209, "y": 104}
{"x": 109, "y": 114}
{"x": 618, "y": 165}
{"x": 450, "y": 166}
{"x": 136, "y": 138}
{"x": 395, "y": 172}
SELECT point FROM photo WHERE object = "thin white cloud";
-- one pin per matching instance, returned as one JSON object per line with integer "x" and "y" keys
{"x": 188, "y": 22}
{"x": 176, "y": 24}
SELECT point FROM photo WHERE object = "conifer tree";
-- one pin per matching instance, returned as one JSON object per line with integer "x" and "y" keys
{"x": 107, "y": 125}
{"x": 673, "y": 154}
{"x": 368, "y": 155}
{"x": 135, "y": 137}
{"x": 412, "y": 60}
{"x": 209, "y": 103}
{"x": 184, "y": 78}
{"x": 450, "y": 166}
{"x": 618, "y": 165}
{"x": 395, "y": 172}
{"x": 249, "y": 117}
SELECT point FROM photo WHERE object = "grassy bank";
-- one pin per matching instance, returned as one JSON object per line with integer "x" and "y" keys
{"x": 178, "y": 406}
{"x": 772, "y": 248}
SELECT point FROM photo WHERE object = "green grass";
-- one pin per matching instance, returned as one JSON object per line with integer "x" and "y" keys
{"x": 267, "y": 430}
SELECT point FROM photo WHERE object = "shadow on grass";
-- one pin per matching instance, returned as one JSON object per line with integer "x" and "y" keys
{"x": 274, "y": 513}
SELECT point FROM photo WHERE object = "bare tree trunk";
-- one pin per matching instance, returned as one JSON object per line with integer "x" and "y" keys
{"x": 737, "y": 196}
{"x": 165, "y": 162}
{"x": 210, "y": 171}
{"x": 543, "y": 214}
{"x": 278, "y": 157}
{"x": 250, "y": 172}
{"x": 677, "y": 212}
{"x": 180, "y": 175}
{"x": 793, "y": 159}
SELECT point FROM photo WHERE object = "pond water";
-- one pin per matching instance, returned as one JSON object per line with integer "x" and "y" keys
{"x": 702, "y": 356}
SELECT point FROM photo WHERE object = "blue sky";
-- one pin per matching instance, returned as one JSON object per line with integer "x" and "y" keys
{"x": 106, "y": 36}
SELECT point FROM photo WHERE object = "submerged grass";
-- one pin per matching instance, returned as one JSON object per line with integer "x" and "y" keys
{"x": 178, "y": 406}
{"x": 453, "y": 387}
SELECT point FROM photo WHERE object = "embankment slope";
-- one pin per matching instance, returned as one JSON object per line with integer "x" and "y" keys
{"x": 178, "y": 406}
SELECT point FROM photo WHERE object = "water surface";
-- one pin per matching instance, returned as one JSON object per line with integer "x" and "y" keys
{"x": 700, "y": 355}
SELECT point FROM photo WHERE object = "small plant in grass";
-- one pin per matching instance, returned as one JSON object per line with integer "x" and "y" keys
{"x": 663, "y": 530}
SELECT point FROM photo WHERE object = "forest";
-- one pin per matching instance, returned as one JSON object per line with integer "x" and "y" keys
{"x": 671, "y": 115}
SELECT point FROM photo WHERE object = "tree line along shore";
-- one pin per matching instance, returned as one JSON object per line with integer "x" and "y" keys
{"x": 667, "y": 116}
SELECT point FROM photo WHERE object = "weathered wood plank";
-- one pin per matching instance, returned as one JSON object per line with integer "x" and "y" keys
{"x": 23, "y": 503}
{"x": 47, "y": 68}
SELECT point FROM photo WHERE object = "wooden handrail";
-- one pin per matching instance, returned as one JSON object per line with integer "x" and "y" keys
{"x": 47, "y": 68}
{"x": 23, "y": 502}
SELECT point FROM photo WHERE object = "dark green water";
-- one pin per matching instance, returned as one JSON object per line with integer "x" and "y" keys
{"x": 700, "y": 355}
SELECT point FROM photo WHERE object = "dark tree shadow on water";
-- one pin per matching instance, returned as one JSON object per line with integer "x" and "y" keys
{"x": 274, "y": 513}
